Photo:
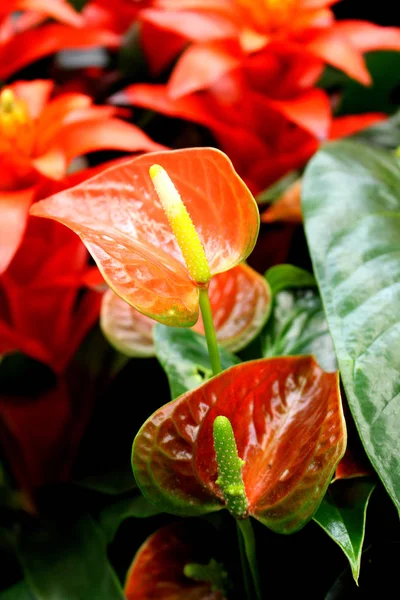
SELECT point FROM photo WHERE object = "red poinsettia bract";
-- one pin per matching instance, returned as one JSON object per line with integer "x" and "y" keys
{"x": 119, "y": 217}
{"x": 39, "y": 137}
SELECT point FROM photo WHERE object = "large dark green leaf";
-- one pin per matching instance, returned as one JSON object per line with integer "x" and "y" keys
{"x": 385, "y": 134}
{"x": 184, "y": 356}
{"x": 342, "y": 515}
{"x": 297, "y": 326}
{"x": 351, "y": 205}
{"x": 68, "y": 561}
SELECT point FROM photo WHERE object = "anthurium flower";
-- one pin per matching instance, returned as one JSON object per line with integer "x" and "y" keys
{"x": 119, "y": 217}
{"x": 39, "y": 137}
{"x": 24, "y": 38}
{"x": 240, "y": 302}
{"x": 226, "y": 31}
{"x": 160, "y": 564}
{"x": 42, "y": 286}
{"x": 289, "y": 428}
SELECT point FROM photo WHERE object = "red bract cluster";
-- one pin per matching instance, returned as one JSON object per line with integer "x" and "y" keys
{"x": 134, "y": 136}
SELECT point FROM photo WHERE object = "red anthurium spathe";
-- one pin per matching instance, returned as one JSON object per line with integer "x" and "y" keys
{"x": 39, "y": 137}
{"x": 287, "y": 419}
{"x": 43, "y": 312}
{"x": 158, "y": 570}
{"x": 240, "y": 302}
{"x": 119, "y": 217}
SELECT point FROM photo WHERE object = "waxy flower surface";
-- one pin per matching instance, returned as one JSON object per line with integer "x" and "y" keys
{"x": 119, "y": 217}
{"x": 289, "y": 428}
{"x": 39, "y": 137}
{"x": 240, "y": 302}
{"x": 158, "y": 569}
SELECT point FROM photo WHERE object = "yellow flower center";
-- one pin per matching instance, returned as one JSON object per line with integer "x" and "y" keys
{"x": 182, "y": 225}
{"x": 13, "y": 114}
{"x": 269, "y": 14}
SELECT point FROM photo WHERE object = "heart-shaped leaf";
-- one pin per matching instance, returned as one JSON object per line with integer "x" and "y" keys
{"x": 184, "y": 357}
{"x": 120, "y": 219}
{"x": 287, "y": 420}
{"x": 342, "y": 515}
{"x": 297, "y": 325}
{"x": 240, "y": 304}
{"x": 351, "y": 205}
{"x": 158, "y": 568}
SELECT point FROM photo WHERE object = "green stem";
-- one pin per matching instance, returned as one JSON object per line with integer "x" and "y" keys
{"x": 209, "y": 330}
{"x": 248, "y": 587}
{"x": 246, "y": 530}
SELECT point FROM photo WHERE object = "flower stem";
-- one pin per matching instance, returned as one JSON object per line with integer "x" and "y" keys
{"x": 248, "y": 587}
{"x": 245, "y": 530}
{"x": 209, "y": 330}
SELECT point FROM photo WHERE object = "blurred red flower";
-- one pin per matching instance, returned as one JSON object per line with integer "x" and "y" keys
{"x": 227, "y": 31}
{"x": 43, "y": 312}
{"x": 26, "y": 36}
{"x": 39, "y": 137}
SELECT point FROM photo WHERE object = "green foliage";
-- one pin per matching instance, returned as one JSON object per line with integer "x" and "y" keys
{"x": 351, "y": 206}
{"x": 342, "y": 514}
{"x": 68, "y": 561}
{"x": 184, "y": 356}
{"x": 298, "y": 326}
{"x": 281, "y": 277}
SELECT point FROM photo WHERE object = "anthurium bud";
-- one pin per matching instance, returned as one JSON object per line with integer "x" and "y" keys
{"x": 182, "y": 226}
{"x": 229, "y": 468}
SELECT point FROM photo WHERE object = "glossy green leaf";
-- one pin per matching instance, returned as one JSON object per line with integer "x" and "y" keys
{"x": 385, "y": 134}
{"x": 298, "y": 326}
{"x": 184, "y": 356}
{"x": 68, "y": 561}
{"x": 351, "y": 205}
{"x": 342, "y": 515}
{"x": 282, "y": 277}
